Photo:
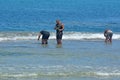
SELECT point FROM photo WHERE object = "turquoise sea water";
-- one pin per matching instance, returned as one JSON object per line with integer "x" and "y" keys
{"x": 75, "y": 60}
{"x": 83, "y": 54}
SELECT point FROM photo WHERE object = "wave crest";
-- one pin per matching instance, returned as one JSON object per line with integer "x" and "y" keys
{"x": 30, "y": 71}
{"x": 58, "y": 74}
{"x": 67, "y": 36}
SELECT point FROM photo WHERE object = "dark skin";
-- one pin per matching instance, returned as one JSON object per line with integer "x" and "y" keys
{"x": 58, "y": 22}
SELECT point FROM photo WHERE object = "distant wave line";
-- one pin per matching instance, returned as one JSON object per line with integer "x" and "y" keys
{"x": 57, "y": 74}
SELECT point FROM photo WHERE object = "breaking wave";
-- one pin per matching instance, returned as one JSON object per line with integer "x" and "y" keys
{"x": 10, "y": 36}
{"x": 54, "y": 74}
{"x": 58, "y": 71}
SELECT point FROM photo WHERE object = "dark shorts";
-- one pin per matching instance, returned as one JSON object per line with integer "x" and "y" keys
{"x": 109, "y": 35}
{"x": 59, "y": 35}
{"x": 46, "y": 36}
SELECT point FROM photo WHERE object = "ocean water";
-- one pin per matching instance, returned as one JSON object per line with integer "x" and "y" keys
{"x": 83, "y": 54}
{"x": 75, "y": 60}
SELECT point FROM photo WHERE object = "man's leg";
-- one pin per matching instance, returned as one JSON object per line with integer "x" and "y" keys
{"x": 59, "y": 41}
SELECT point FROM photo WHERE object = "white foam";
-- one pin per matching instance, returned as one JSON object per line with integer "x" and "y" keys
{"x": 107, "y": 74}
{"x": 66, "y": 36}
{"x": 64, "y": 74}
{"x": 83, "y": 36}
{"x": 20, "y": 75}
{"x": 30, "y": 71}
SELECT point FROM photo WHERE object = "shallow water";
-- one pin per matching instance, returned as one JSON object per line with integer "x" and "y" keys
{"x": 85, "y": 60}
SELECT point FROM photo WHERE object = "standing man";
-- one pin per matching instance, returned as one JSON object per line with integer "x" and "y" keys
{"x": 45, "y": 36}
{"x": 108, "y": 34}
{"x": 59, "y": 31}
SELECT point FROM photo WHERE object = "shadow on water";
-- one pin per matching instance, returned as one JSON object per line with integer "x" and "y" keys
{"x": 44, "y": 45}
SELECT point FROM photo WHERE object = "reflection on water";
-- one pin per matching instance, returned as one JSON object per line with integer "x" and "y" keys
{"x": 59, "y": 46}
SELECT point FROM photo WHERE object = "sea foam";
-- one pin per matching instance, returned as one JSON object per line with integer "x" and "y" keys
{"x": 67, "y": 36}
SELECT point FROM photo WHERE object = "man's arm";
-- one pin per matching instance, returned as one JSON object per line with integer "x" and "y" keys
{"x": 55, "y": 28}
{"x": 105, "y": 33}
{"x": 62, "y": 28}
{"x": 39, "y": 36}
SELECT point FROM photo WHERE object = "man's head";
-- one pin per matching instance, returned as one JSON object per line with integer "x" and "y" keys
{"x": 58, "y": 21}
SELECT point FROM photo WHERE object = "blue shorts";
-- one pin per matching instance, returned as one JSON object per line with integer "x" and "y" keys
{"x": 109, "y": 35}
{"x": 59, "y": 35}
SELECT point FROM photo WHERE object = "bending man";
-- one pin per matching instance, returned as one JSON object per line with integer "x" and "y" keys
{"x": 108, "y": 34}
{"x": 45, "y": 36}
